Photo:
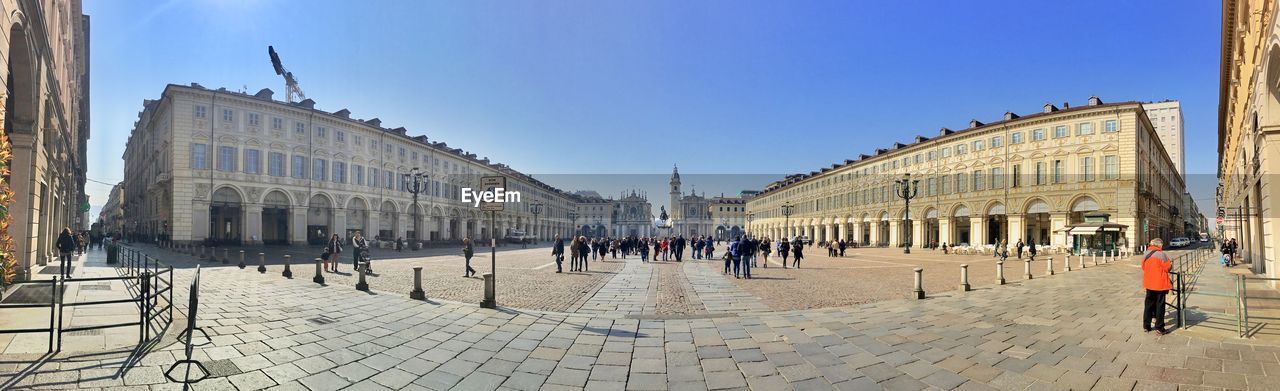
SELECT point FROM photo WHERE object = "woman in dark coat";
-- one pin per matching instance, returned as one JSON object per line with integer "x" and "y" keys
{"x": 784, "y": 248}
{"x": 332, "y": 249}
{"x": 468, "y": 251}
{"x": 66, "y": 244}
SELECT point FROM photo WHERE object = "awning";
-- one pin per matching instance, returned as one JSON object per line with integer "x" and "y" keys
{"x": 1092, "y": 228}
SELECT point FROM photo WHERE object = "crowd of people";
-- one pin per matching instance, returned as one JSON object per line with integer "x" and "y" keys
{"x": 741, "y": 252}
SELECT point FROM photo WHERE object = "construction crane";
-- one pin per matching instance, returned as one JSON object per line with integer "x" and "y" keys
{"x": 292, "y": 92}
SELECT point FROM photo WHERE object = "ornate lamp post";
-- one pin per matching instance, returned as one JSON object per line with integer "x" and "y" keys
{"x": 906, "y": 189}
{"x": 573, "y": 218}
{"x": 415, "y": 184}
{"x": 536, "y": 209}
{"x": 786, "y": 214}
{"x": 750, "y": 216}
{"x": 724, "y": 222}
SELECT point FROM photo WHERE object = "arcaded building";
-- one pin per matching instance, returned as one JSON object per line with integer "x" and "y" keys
{"x": 46, "y": 118}
{"x": 1032, "y": 178}
{"x": 230, "y": 167}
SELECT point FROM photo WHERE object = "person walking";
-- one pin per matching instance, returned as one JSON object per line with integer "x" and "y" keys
{"x": 644, "y": 249}
{"x": 1155, "y": 279}
{"x": 1019, "y": 247}
{"x": 843, "y": 245}
{"x": 735, "y": 256}
{"x": 573, "y": 254}
{"x": 399, "y": 244}
{"x": 467, "y": 252}
{"x": 1031, "y": 249}
{"x": 747, "y": 247}
{"x": 765, "y": 250}
{"x": 679, "y": 248}
{"x": 797, "y": 249}
{"x": 557, "y": 251}
{"x": 583, "y": 248}
{"x": 784, "y": 248}
{"x": 66, "y": 245}
{"x": 710, "y": 248}
{"x": 331, "y": 251}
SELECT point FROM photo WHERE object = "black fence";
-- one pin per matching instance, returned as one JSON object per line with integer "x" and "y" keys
{"x": 188, "y": 339}
{"x": 52, "y": 306}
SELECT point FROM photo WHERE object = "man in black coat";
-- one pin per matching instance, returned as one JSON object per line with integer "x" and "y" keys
{"x": 679, "y": 248}
{"x": 557, "y": 250}
{"x": 66, "y": 245}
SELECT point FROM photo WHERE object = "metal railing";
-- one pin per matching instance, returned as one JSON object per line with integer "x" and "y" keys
{"x": 52, "y": 306}
{"x": 188, "y": 336}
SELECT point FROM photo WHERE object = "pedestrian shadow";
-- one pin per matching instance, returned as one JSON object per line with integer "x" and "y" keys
{"x": 772, "y": 278}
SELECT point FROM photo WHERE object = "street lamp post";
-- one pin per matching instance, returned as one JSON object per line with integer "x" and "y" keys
{"x": 573, "y": 222}
{"x": 907, "y": 189}
{"x": 750, "y": 216}
{"x": 536, "y": 209}
{"x": 418, "y": 179}
{"x": 724, "y": 223}
{"x": 786, "y": 214}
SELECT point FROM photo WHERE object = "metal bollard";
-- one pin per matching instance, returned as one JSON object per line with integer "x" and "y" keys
{"x": 417, "y": 293}
{"x": 262, "y": 263}
{"x": 1094, "y": 256}
{"x": 361, "y": 285}
{"x": 241, "y": 265}
{"x": 225, "y": 258}
{"x": 1082, "y": 262}
{"x": 1066, "y": 263}
{"x": 202, "y": 251}
{"x": 1026, "y": 268}
{"x": 287, "y": 273}
{"x": 1048, "y": 266}
{"x": 999, "y": 272}
{"x": 964, "y": 277}
{"x": 490, "y": 292}
{"x": 919, "y": 277}
{"x": 319, "y": 279}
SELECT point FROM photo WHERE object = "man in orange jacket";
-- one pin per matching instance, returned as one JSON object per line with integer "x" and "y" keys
{"x": 1155, "y": 279}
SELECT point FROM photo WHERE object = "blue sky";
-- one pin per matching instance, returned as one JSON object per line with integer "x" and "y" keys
{"x": 632, "y": 87}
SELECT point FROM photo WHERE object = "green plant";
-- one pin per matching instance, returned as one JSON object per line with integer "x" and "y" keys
{"x": 8, "y": 261}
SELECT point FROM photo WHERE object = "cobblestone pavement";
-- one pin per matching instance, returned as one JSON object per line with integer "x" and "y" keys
{"x": 1074, "y": 331}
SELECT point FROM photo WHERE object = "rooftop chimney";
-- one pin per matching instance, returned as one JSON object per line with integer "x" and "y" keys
{"x": 264, "y": 93}
{"x": 973, "y": 123}
{"x": 1049, "y": 108}
{"x": 1094, "y": 101}
{"x": 1009, "y": 115}
{"x": 945, "y": 131}
{"x": 1066, "y": 105}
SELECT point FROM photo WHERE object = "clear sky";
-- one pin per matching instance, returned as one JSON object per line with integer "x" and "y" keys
{"x": 632, "y": 87}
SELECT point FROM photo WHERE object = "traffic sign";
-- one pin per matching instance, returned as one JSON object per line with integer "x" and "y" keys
{"x": 491, "y": 184}
{"x": 1219, "y": 220}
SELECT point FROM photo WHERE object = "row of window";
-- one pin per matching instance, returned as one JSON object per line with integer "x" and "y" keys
{"x": 340, "y": 136}
{"x": 1045, "y": 173}
{"x": 320, "y": 169}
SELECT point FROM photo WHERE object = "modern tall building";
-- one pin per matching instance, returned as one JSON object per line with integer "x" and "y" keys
{"x": 1092, "y": 176}
{"x": 46, "y": 118}
{"x": 1166, "y": 117}
{"x": 228, "y": 167}
{"x": 1249, "y": 131}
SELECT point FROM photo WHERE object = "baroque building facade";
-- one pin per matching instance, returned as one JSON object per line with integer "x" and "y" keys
{"x": 229, "y": 167}
{"x": 1249, "y": 131}
{"x": 1022, "y": 178}
{"x": 690, "y": 214}
{"x": 46, "y": 118}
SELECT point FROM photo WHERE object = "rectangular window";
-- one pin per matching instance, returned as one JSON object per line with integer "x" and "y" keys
{"x": 1084, "y": 128}
{"x": 339, "y": 172}
{"x": 960, "y": 149}
{"x": 1111, "y": 167}
{"x": 917, "y": 159}
{"x": 359, "y": 140}
{"x": 979, "y": 182}
{"x": 252, "y": 161}
{"x": 977, "y": 146}
{"x": 299, "y": 166}
{"x": 1042, "y": 175}
{"x": 997, "y": 141}
{"x": 895, "y": 164}
{"x": 931, "y": 155}
{"x": 228, "y": 115}
{"x": 300, "y": 128}
{"x": 373, "y": 177}
{"x": 340, "y": 136}
{"x": 946, "y": 184}
{"x": 277, "y": 124}
{"x": 319, "y": 171}
{"x": 275, "y": 164}
{"x": 199, "y": 157}
{"x": 322, "y": 132}
{"x": 226, "y": 159}
{"x": 946, "y": 152}
{"x": 997, "y": 178}
{"x": 1037, "y": 135}
{"x": 391, "y": 180}
{"x": 1017, "y": 175}
{"x": 357, "y": 174}
{"x": 931, "y": 186}
{"x": 1109, "y": 126}
{"x": 961, "y": 183}
{"x": 254, "y": 119}
{"x": 199, "y": 112}
{"x": 1015, "y": 138}
{"x": 1057, "y": 171}
{"x": 1060, "y": 131}
{"x": 1086, "y": 168}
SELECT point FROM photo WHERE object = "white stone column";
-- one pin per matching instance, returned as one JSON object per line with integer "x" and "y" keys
{"x": 978, "y": 230}
{"x": 917, "y": 234}
{"x": 1017, "y": 230}
{"x": 844, "y": 230}
{"x": 252, "y": 225}
{"x": 339, "y": 223}
{"x": 297, "y": 225}
{"x": 944, "y": 231}
{"x": 1059, "y": 221}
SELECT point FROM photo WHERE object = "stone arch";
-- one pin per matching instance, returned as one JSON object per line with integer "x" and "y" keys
{"x": 1036, "y": 205}
{"x": 994, "y": 207}
{"x": 275, "y": 199}
{"x": 1083, "y": 203}
{"x": 227, "y": 194}
{"x": 23, "y": 93}
{"x": 931, "y": 213}
{"x": 960, "y": 210}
